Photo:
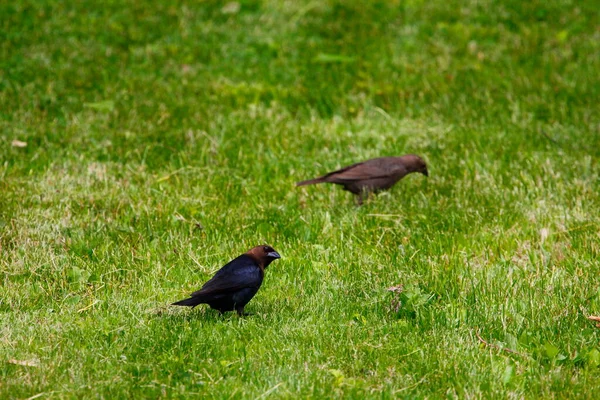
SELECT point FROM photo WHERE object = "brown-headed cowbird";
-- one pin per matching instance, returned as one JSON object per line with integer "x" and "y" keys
{"x": 234, "y": 285}
{"x": 372, "y": 175}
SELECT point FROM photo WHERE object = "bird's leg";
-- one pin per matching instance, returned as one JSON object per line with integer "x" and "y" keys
{"x": 240, "y": 311}
{"x": 359, "y": 199}
{"x": 362, "y": 196}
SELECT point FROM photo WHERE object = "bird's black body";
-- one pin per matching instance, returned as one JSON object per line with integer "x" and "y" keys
{"x": 234, "y": 285}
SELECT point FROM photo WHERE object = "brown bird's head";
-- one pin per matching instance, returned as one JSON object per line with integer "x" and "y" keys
{"x": 263, "y": 255}
{"x": 415, "y": 163}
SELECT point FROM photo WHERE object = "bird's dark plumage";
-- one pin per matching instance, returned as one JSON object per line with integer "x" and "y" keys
{"x": 234, "y": 285}
{"x": 372, "y": 175}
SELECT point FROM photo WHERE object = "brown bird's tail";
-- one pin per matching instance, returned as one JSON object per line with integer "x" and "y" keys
{"x": 310, "y": 182}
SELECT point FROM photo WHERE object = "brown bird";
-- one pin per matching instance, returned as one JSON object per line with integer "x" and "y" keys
{"x": 372, "y": 175}
{"x": 234, "y": 285}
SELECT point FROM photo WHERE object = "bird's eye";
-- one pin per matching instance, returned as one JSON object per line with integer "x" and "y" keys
{"x": 266, "y": 249}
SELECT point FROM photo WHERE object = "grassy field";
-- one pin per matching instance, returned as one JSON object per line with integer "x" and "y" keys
{"x": 143, "y": 145}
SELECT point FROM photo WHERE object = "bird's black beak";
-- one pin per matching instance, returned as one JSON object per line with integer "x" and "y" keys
{"x": 273, "y": 254}
{"x": 424, "y": 172}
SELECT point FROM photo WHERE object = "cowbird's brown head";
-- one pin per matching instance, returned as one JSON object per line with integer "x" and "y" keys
{"x": 263, "y": 255}
{"x": 415, "y": 163}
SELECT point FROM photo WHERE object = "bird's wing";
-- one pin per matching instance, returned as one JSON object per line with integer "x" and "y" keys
{"x": 365, "y": 170}
{"x": 239, "y": 273}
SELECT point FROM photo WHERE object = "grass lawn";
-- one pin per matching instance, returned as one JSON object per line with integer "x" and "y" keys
{"x": 144, "y": 144}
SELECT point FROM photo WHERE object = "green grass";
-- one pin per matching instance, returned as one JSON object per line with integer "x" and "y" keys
{"x": 165, "y": 139}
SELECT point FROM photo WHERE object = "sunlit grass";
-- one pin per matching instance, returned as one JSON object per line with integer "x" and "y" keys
{"x": 162, "y": 140}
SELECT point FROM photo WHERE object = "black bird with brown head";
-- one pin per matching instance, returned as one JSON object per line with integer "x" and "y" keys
{"x": 234, "y": 285}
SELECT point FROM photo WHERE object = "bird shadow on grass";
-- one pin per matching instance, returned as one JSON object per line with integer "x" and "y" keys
{"x": 263, "y": 311}
{"x": 178, "y": 314}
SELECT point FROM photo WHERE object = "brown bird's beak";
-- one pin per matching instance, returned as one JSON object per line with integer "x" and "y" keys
{"x": 424, "y": 172}
{"x": 274, "y": 255}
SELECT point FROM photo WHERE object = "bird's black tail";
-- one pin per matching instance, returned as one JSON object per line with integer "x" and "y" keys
{"x": 191, "y": 302}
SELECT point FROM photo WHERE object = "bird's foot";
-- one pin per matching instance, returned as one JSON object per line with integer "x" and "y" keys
{"x": 246, "y": 314}
{"x": 241, "y": 313}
